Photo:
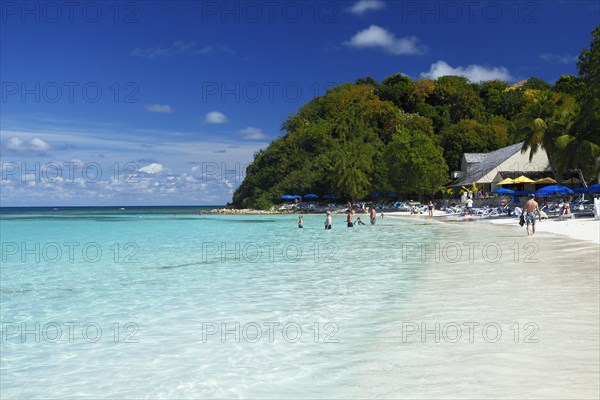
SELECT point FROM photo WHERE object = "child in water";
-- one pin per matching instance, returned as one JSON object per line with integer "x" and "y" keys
{"x": 359, "y": 222}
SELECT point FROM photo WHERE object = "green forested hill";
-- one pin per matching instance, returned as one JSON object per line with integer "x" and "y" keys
{"x": 405, "y": 136}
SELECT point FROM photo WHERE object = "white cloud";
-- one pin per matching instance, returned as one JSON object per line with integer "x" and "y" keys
{"x": 153, "y": 168}
{"x": 179, "y": 47}
{"x": 16, "y": 144}
{"x": 159, "y": 108}
{"x": 251, "y": 133}
{"x": 377, "y": 37}
{"x": 215, "y": 117}
{"x": 474, "y": 72}
{"x": 177, "y": 151}
{"x": 363, "y": 6}
{"x": 559, "y": 58}
{"x": 38, "y": 144}
{"x": 35, "y": 146}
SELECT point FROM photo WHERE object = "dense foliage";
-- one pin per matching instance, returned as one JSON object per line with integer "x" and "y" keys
{"x": 405, "y": 136}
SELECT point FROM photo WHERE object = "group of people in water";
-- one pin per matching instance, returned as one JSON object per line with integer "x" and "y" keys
{"x": 350, "y": 222}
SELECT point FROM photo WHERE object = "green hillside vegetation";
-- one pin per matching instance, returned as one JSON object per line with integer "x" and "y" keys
{"x": 406, "y": 136}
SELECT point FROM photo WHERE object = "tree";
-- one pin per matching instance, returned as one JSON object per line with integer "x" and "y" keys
{"x": 547, "y": 117}
{"x": 395, "y": 89}
{"x": 471, "y": 136}
{"x": 456, "y": 98}
{"x": 500, "y": 99}
{"x": 415, "y": 163}
{"x": 352, "y": 159}
{"x": 579, "y": 148}
{"x": 589, "y": 67}
{"x": 569, "y": 84}
{"x": 368, "y": 81}
{"x": 537, "y": 84}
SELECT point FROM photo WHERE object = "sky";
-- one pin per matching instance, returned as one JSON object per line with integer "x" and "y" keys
{"x": 166, "y": 102}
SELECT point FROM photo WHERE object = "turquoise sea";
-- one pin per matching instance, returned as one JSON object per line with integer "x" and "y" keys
{"x": 141, "y": 303}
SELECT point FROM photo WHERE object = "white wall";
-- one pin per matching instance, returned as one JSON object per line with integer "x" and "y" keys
{"x": 518, "y": 162}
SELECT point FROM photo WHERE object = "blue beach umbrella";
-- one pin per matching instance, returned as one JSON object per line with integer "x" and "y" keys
{"x": 311, "y": 196}
{"x": 376, "y": 194}
{"x": 552, "y": 190}
{"x": 502, "y": 191}
{"x": 287, "y": 197}
{"x": 595, "y": 188}
{"x": 296, "y": 196}
{"x": 581, "y": 190}
{"x": 392, "y": 195}
{"x": 523, "y": 192}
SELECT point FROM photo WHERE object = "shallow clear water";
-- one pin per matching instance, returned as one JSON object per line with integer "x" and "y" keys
{"x": 251, "y": 306}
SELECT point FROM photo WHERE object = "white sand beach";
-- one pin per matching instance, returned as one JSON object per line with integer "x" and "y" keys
{"x": 585, "y": 228}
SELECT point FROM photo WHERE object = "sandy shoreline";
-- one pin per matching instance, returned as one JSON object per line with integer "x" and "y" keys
{"x": 585, "y": 228}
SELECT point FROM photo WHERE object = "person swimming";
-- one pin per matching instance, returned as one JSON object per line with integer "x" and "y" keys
{"x": 300, "y": 222}
{"x": 359, "y": 222}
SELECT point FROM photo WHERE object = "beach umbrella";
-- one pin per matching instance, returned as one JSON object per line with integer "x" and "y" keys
{"x": 545, "y": 181}
{"x": 392, "y": 195}
{"x": 329, "y": 196}
{"x": 311, "y": 196}
{"x": 523, "y": 179}
{"x": 296, "y": 196}
{"x": 552, "y": 190}
{"x": 376, "y": 194}
{"x": 287, "y": 197}
{"x": 595, "y": 188}
{"x": 506, "y": 181}
{"x": 581, "y": 190}
{"x": 502, "y": 191}
{"x": 523, "y": 192}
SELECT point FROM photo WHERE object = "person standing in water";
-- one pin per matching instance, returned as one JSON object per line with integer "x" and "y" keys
{"x": 531, "y": 209}
{"x": 349, "y": 222}
{"x": 328, "y": 220}
{"x": 300, "y": 222}
{"x": 430, "y": 208}
{"x": 373, "y": 215}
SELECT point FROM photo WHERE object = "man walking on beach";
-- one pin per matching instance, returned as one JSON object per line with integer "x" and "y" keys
{"x": 531, "y": 209}
{"x": 470, "y": 206}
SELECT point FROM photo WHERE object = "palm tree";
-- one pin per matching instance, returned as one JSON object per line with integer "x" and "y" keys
{"x": 546, "y": 118}
{"x": 579, "y": 147}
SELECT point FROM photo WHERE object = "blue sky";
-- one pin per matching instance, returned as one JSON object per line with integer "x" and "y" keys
{"x": 164, "y": 103}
